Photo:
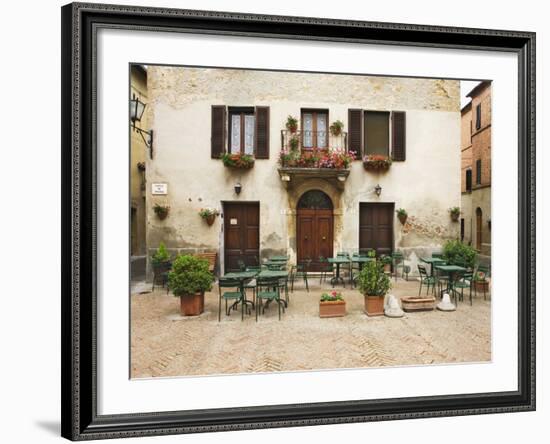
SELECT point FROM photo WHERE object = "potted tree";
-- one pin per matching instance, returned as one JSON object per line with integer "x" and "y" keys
{"x": 402, "y": 215}
{"x": 336, "y": 128}
{"x": 188, "y": 280}
{"x": 332, "y": 305}
{"x": 456, "y": 252}
{"x": 161, "y": 211}
{"x": 455, "y": 213}
{"x": 292, "y": 124}
{"x": 374, "y": 284}
{"x": 208, "y": 214}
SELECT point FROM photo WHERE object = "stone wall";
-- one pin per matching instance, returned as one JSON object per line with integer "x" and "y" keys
{"x": 426, "y": 184}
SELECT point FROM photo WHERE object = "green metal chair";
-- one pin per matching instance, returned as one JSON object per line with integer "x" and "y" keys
{"x": 465, "y": 280}
{"x": 425, "y": 279}
{"x": 268, "y": 290}
{"x": 300, "y": 270}
{"x": 325, "y": 267}
{"x": 160, "y": 274}
{"x": 441, "y": 279}
{"x": 234, "y": 295}
{"x": 437, "y": 255}
{"x": 398, "y": 260}
{"x": 486, "y": 272}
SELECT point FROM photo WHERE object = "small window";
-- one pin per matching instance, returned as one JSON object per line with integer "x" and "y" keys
{"x": 462, "y": 230}
{"x": 377, "y": 132}
{"x": 478, "y": 116}
{"x": 241, "y": 126}
{"x": 478, "y": 172}
{"x": 314, "y": 129}
{"x": 468, "y": 180}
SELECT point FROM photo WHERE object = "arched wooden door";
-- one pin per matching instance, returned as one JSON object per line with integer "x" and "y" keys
{"x": 314, "y": 228}
{"x": 479, "y": 226}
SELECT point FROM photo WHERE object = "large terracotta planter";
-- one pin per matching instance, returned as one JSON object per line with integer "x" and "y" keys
{"x": 192, "y": 305}
{"x": 374, "y": 305}
{"x": 481, "y": 286}
{"x": 332, "y": 309}
{"x": 416, "y": 303}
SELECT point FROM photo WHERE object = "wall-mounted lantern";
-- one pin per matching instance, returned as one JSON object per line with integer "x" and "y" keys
{"x": 378, "y": 189}
{"x": 238, "y": 188}
{"x": 137, "y": 107}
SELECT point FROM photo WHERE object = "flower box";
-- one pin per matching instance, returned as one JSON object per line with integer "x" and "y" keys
{"x": 332, "y": 309}
{"x": 376, "y": 162}
{"x": 238, "y": 160}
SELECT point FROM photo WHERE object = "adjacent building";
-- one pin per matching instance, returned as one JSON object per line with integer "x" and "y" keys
{"x": 296, "y": 198}
{"x": 475, "y": 219}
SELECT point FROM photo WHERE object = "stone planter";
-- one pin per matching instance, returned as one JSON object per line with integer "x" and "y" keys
{"x": 332, "y": 309}
{"x": 481, "y": 286}
{"x": 416, "y": 303}
{"x": 374, "y": 305}
{"x": 192, "y": 305}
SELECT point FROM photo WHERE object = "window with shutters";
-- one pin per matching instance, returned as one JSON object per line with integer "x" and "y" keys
{"x": 478, "y": 116}
{"x": 383, "y": 133}
{"x": 377, "y": 132}
{"x": 468, "y": 180}
{"x": 478, "y": 172}
{"x": 314, "y": 129}
{"x": 241, "y": 130}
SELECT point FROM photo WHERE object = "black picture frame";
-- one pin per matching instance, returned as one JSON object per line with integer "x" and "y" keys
{"x": 79, "y": 169}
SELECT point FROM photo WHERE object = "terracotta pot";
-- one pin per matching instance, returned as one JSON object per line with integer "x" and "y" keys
{"x": 481, "y": 286}
{"x": 387, "y": 268}
{"x": 210, "y": 219}
{"x": 192, "y": 305}
{"x": 332, "y": 309}
{"x": 162, "y": 215}
{"x": 455, "y": 216}
{"x": 416, "y": 303}
{"x": 374, "y": 305}
{"x": 402, "y": 218}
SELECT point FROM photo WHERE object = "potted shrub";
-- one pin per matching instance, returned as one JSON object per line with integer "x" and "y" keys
{"x": 376, "y": 162}
{"x": 238, "y": 160}
{"x": 455, "y": 213}
{"x": 374, "y": 284}
{"x": 402, "y": 215}
{"x": 336, "y": 128}
{"x": 386, "y": 263}
{"x": 208, "y": 214}
{"x": 332, "y": 305}
{"x": 456, "y": 252}
{"x": 161, "y": 211}
{"x": 292, "y": 124}
{"x": 188, "y": 280}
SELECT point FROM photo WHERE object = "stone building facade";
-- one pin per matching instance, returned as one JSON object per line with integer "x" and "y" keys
{"x": 199, "y": 113}
{"x": 476, "y": 169}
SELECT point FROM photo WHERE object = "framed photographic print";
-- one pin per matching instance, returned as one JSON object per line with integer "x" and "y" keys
{"x": 278, "y": 221}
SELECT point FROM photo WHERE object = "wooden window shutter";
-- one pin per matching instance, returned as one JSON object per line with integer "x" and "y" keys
{"x": 262, "y": 132}
{"x": 217, "y": 139}
{"x": 355, "y": 131}
{"x": 398, "y": 135}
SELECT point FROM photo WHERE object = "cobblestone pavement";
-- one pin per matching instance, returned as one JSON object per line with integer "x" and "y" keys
{"x": 163, "y": 343}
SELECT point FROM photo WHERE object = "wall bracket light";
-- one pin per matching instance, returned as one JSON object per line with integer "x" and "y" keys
{"x": 137, "y": 107}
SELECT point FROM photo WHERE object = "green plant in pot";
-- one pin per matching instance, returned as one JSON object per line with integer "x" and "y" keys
{"x": 386, "y": 262}
{"x": 188, "y": 280}
{"x": 374, "y": 284}
{"x": 402, "y": 215}
{"x": 292, "y": 124}
{"x": 458, "y": 253}
{"x": 455, "y": 213}
{"x": 161, "y": 211}
{"x": 160, "y": 261}
{"x": 336, "y": 128}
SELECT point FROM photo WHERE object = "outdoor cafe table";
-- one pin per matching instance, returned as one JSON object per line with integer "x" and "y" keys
{"x": 452, "y": 270}
{"x": 433, "y": 261}
{"x": 278, "y": 258}
{"x": 338, "y": 260}
{"x": 242, "y": 277}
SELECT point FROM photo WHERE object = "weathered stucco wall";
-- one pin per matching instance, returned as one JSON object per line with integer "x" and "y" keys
{"x": 427, "y": 184}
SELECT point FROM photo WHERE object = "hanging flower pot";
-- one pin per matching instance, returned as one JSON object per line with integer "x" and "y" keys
{"x": 208, "y": 214}
{"x": 455, "y": 213}
{"x": 161, "y": 211}
{"x": 402, "y": 215}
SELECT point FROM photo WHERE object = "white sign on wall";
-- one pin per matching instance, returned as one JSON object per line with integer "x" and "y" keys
{"x": 159, "y": 188}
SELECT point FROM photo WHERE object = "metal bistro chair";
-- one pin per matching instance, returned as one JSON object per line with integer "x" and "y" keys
{"x": 465, "y": 280}
{"x": 251, "y": 284}
{"x": 347, "y": 267}
{"x": 160, "y": 273}
{"x": 425, "y": 279}
{"x": 325, "y": 267}
{"x": 268, "y": 290}
{"x": 300, "y": 270}
{"x": 398, "y": 260}
{"x": 234, "y": 296}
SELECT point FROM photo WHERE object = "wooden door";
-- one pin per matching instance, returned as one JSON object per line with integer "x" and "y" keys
{"x": 376, "y": 227}
{"x": 479, "y": 226}
{"x": 314, "y": 228}
{"x": 241, "y": 234}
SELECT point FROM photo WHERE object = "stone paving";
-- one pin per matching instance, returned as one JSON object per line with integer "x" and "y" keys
{"x": 163, "y": 343}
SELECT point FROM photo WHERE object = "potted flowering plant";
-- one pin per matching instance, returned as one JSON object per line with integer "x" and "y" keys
{"x": 336, "y": 128}
{"x": 237, "y": 160}
{"x": 292, "y": 124}
{"x": 208, "y": 214}
{"x": 455, "y": 213}
{"x": 332, "y": 305}
{"x": 481, "y": 284}
{"x": 161, "y": 211}
{"x": 374, "y": 284}
{"x": 386, "y": 262}
{"x": 376, "y": 162}
{"x": 402, "y": 215}
{"x": 188, "y": 280}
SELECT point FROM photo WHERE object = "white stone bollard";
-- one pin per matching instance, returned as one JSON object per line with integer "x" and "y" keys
{"x": 446, "y": 304}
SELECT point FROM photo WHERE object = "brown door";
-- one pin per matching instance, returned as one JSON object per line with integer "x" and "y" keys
{"x": 241, "y": 234}
{"x": 376, "y": 227}
{"x": 314, "y": 228}
{"x": 479, "y": 220}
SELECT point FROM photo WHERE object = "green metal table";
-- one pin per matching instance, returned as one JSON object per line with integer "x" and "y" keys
{"x": 338, "y": 261}
{"x": 433, "y": 261}
{"x": 242, "y": 277}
